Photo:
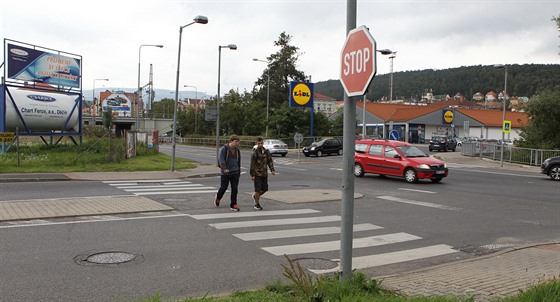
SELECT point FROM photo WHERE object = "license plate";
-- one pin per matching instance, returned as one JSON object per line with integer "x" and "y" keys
{"x": 440, "y": 172}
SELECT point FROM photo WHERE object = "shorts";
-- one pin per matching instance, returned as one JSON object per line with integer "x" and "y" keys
{"x": 261, "y": 184}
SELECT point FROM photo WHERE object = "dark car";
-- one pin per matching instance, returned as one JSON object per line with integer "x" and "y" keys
{"x": 327, "y": 146}
{"x": 551, "y": 167}
{"x": 396, "y": 158}
{"x": 442, "y": 143}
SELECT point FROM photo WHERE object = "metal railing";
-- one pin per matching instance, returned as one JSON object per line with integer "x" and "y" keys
{"x": 525, "y": 156}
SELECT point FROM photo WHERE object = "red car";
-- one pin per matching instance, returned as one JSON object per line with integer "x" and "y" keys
{"x": 396, "y": 158}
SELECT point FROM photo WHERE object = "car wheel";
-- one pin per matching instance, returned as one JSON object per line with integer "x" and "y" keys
{"x": 453, "y": 149}
{"x": 410, "y": 175}
{"x": 430, "y": 149}
{"x": 554, "y": 172}
{"x": 319, "y": 153}
{"x": 436, "y": 179}
{"x": 340, "y": 152}
{"x": 358, "y": 170}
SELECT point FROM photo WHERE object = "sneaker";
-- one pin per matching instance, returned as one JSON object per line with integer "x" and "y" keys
{"x": 217, "y": 201}
{"x": 257, "y": 207}
{"x": 234, "y": 208}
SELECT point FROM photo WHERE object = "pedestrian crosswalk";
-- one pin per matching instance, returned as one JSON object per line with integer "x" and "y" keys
{"x": 315, "y": 233}
{"x": 160, "y": 187}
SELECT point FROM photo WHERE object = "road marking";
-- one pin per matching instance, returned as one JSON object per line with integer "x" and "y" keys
{"x": 271, "y": 222}
{"x": 317, "y": 247}
{"x": 177, "y": 192}
{"x": 420, "y": 191}
{"x": 419, "y": 203}
{"x": 138, "y": 180}
{"x": 160, "y": 187}
{"x": 394, "y": 257}
{"x": 193, "y": 187}
{"x": 253, "y": 214}
{"x": 301, "y": 232}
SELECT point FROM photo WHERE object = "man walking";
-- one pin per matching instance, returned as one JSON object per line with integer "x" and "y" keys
{"x": 261, "y": 161}
{"x": 229, "y": 160}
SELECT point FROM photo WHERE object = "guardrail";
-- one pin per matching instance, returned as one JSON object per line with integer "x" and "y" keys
{"x": 525, "y": 156}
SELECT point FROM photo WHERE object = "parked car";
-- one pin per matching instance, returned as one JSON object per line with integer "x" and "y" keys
{"x": 551, "y": 167}
{"x": 442, "y": 143}
{"x": 326, "y": 146}
{"x": 275, "y": 146}
{"x": 396, "y": 158}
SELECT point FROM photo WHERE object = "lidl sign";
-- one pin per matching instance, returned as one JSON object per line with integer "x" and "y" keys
{"x": 447, "y": 116}
{"x": 301, "y": 94}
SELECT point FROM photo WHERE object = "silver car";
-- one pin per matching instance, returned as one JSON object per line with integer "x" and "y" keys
{"x": 275, "y": 146}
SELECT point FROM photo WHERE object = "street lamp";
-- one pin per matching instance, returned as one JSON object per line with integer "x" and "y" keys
{"x": 383, "y": 52}
{"x": 139, "y": 92}
{"x": 500, "y": 66}
{"x": 267, "y": 93}
{"x": 196, "y": 107}
{"x": 232, "y": 47}
{"x": 200, "y": 20}
{"x": 393, "y": 54}
{"x": 95, "y": 108}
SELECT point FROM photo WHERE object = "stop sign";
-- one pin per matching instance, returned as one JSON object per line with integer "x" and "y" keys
{"x": 358, "y": 63}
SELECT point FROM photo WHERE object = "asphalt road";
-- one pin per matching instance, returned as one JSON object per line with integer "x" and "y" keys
{"x": 198, "y": 249}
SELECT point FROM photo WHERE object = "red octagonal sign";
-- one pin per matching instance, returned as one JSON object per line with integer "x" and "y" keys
{"x": 358, "y": 64}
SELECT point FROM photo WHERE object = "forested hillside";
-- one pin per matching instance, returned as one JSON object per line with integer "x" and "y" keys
{"x": 523, "y": 80}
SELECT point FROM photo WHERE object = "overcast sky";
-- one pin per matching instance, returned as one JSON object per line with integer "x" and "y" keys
{"x": 426, "y": 35}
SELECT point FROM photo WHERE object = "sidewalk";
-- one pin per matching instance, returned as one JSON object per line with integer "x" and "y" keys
{"x": 485, "y": 278}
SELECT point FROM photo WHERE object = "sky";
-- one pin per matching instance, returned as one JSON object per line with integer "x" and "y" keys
{"x": 425, "y": 34}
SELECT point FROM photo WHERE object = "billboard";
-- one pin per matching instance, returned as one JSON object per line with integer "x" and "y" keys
{"x": 37, "y": 110}
{"x": 35, "y": 65}
{"x": 119, "y": 103}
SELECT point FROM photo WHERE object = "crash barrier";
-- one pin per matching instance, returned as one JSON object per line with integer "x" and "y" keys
{"x": 493, "y": 151}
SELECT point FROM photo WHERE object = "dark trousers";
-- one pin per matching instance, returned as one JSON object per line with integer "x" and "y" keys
{"x": 225, "y": 180}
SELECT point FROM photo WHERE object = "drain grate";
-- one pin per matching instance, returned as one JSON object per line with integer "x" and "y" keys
{"x": 316, "y": 263}
{"x": 108, "y": 258}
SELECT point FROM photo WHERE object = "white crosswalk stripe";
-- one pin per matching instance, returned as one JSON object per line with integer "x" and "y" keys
{"x": 160, "y": 187}
{"x": 363, "y": 237}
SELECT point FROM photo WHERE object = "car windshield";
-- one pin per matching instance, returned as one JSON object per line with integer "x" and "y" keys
{"x": 438, "y": 138}
{"x": 411, "y": 151}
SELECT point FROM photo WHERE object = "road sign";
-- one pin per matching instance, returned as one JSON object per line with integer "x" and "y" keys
{"x": 298, "y": 138}
{"x": 394, "y": 135}
{"x": 358, "y": 63}
{"x": 6, "y": 137}
{"x": 506, "y": 128}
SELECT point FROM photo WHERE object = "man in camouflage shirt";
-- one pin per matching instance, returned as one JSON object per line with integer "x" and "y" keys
{"x": 261, "y": 161}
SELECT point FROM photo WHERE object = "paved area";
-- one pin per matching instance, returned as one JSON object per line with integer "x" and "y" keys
{"x": 484, "y": 278}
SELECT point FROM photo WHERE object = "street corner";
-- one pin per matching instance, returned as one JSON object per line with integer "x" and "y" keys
{"x": 306, "y": 195}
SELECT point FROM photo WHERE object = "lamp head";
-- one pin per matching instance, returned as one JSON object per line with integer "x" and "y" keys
{"x": 385, "y": 51}
{"x": 201, "y": 19}
{"x": 159, "y": 46}
{"x": 232, "y": 46}
{"x": 499, "y": 66}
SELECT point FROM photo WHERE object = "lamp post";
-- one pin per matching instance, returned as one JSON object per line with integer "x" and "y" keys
{"x": 93, "y": 99}
{"x": 267, "y": 93}
{"x": 200, "y": 20}
{"x": 232, "y": 47}
{"x": 139, "y": 92}
{"x": 383, "y": 52}
{"x": 500, "y": 66}
{"x": 393, "y": 54}
{"x": 196, "y": 107}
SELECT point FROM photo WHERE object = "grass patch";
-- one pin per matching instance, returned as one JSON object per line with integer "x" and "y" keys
{"x": 94, "y": 155}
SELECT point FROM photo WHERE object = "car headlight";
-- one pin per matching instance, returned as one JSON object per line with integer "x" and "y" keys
{"x": 312, "y": 148}
{"x": 424, "y": 166}
{"x": 445, "y": 165}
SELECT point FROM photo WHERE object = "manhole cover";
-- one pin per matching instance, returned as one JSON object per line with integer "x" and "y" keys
{"x": 110, "y": 257}
{"x": 107, "y": 258}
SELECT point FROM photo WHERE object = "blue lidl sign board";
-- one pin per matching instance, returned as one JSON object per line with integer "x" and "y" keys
{"x": 301, "y": 94}
{"x": 447, "y": 116}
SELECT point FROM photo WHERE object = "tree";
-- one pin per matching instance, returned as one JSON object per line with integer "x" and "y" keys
{"x": 543, "y": 128}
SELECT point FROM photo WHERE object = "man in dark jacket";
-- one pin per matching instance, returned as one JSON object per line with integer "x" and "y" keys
{"x": 229, "y": 160}
{"x": 261, "y": 161}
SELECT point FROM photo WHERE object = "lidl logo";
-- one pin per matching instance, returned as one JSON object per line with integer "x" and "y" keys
{"x": 301, "y": 94}
{"x": 447, "y": 116}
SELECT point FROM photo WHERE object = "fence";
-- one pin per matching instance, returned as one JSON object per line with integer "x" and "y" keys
{"x": 525, "y": 156}
{"x": 244, "y": 142}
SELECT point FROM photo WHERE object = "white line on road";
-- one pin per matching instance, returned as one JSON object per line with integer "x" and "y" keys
{"x": 139, "y": 180}
{"x": 395, "y": 257}
{"x": 179, "y": 192}
{"x": 170, "y": 188}
{"x": 317, "y": 247}
{"x": 420, "y": 191}
{"x": 418, "y": 203}
{"x": 271, "y": 222}
{"x": 301, "y": 232}
{"x": 253, "y": 214}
